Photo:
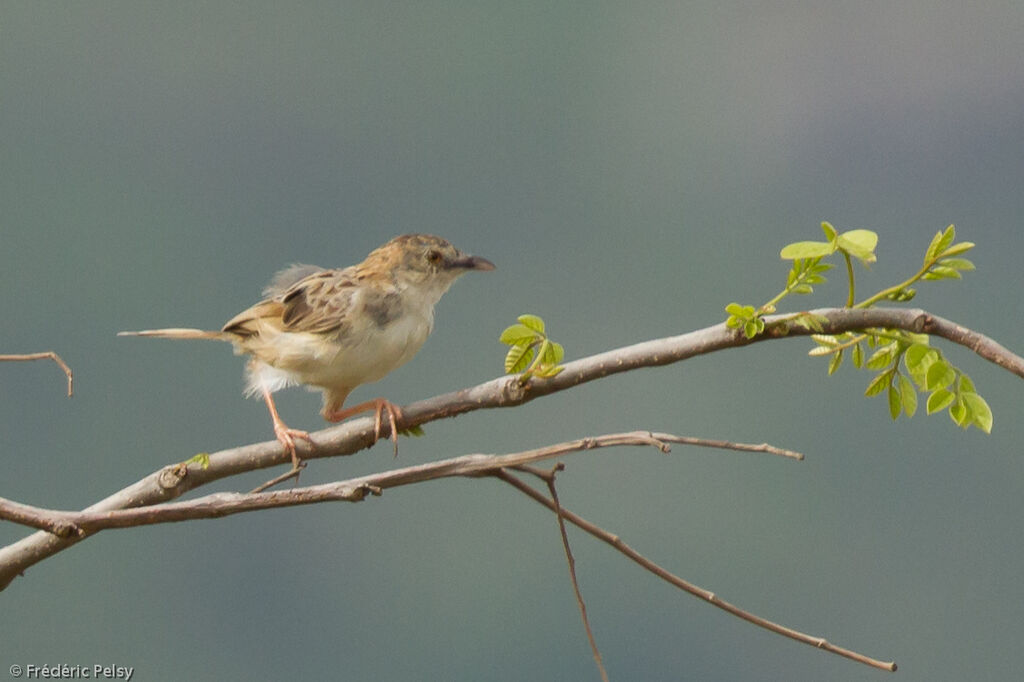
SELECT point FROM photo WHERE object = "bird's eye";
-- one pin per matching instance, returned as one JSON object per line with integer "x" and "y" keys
{"x": 434, "y": 257}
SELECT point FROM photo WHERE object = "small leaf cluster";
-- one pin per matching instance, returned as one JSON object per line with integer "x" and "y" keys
{"x": 882, "y": 350}
{"x": 530, "y": 350}
{"x": 941, "y": 259}
{"x": 746, "y": 318}
{"x": 926, "y": 370}
{"x": 808, "y": 270}
{"x": 805, "y": 273}
{"x": 859, "y": 244}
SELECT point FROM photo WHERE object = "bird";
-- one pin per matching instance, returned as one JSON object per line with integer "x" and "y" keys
{"x": 335, "y": 329}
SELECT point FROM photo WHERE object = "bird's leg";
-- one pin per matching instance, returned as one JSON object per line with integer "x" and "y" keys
{"x": 285, "y": 434}
{"x": 380, "y": 406}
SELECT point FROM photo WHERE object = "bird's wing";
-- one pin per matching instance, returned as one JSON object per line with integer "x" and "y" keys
{"x": 250, "y": 321}
{"x": 270, "y": 311}
{"x": 321, "y": 302}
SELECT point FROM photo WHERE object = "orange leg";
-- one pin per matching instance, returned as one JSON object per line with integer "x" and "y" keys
{"x": 379, "y": 407}
{"x": 285, "y": 434}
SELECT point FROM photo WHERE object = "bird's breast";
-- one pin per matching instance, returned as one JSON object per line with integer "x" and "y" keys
{"x": 354, "y": 355}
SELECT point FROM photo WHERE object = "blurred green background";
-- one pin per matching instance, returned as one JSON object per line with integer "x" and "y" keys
{"x": 630, "y": 168}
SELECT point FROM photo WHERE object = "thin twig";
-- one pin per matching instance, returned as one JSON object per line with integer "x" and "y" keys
{"x": 729, "y": 445}
{"x": 292, "y": 473}
{"x": 48, "y": 355}
{"x": 549, "y": 478}
{"x": 696, "y": 591}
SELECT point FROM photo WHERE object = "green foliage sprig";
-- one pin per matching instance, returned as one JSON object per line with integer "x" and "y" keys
{"x": 530, "y": 350}
{"x": 905, "y": 362}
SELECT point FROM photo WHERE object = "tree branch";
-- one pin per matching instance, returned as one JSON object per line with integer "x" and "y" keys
{"x": 686, "y": 586}
{"x": 46, "y": 355}
{"x": 71, "y": 525}
{"x": 357, "y": 434}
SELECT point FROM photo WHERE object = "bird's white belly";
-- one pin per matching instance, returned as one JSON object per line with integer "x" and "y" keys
{"x": 358, "y": 357}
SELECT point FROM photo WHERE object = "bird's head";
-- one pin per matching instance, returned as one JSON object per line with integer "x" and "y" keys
{"x": 426, "y": 262}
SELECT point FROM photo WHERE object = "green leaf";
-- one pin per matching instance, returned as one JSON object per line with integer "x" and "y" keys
{"x": 940, "y": 242}
{"x": 958, "y": 413}
{"x": 860, "y": 244}
{"x": 857, "y": 356}
{"x": 750, "y": 329}
{"x": 941, "y": 272}
{"x": 919, "y": 357}
{"x": 518, "y": 359}
{"x": 830, "y": 232}
{"x": 413, "y": 431}
{"x": 802, "y": 289}
{"x": 734, "y": 322}
{"x": 882, "y": 357}
{"x": 939, "y": 375}
{"x": 533, "y": 322}
{"x": 978, "y": 410}
{"x": 736, "y": 309}
{"x": 878, "y": 384}
{"x": 834, "y": 363}
{"x": 962, "y": 247}
{"x": 939, "y": 400}
{"x": 518, "y": 334}
{"x": 895, "y": 402}
{"x": 965, "y": 384}
{"x": 548, "y": 372}
{"x": 806, "y": 250}
{"x": 909, "y": 395}
{"x": 957, "y": 263}
{"x": 552, "y": 354}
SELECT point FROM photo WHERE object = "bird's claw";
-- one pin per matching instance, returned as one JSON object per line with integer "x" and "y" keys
{"x": 286, "y": 436}
{"x": 394, "y": 415}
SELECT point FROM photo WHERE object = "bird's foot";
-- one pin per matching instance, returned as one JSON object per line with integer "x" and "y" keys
{"x": 380, "y": 407}
{"x": 287, "y": 436}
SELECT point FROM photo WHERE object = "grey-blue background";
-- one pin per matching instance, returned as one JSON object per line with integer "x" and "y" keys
{"x": 631, "y": 168}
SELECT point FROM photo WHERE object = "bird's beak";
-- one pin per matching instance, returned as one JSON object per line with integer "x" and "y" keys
{"x": 466, "y": 262}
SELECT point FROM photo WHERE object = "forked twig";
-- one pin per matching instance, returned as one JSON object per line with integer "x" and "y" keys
{"x": 549, "y": 478}
{"x": 47, "y": 355}
{"x": 696, "y": 591}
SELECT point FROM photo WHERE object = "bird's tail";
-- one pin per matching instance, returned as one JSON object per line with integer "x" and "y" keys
{"x": 175, "y": 333}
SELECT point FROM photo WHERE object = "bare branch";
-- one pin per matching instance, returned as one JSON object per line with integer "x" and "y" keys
{"x": 549, "y": 478}
{"x": 696, "y": 591}
{"x": 67, "y": 527}
{"x": 47, "y": 355}
{"x": 352, "y": 490}
{"x": 357, "y": 434}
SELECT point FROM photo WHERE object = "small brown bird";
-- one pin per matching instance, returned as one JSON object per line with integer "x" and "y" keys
{"x": 334, "y": 330}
